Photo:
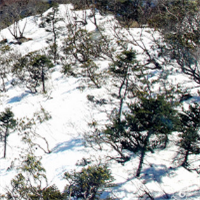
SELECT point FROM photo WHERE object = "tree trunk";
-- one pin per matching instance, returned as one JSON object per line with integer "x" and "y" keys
{"x": 43, "y": 80}
{"x": 141, "y": 163}
{"x": 166, "y": 140}
{"x": 184, "y": 163}
{"x": 143, "y": 152}
{"x": 5, "y": 141}
{"x": 122, "y": 97}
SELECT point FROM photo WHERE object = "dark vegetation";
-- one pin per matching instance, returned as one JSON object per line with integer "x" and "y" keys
{"x": 151, "y": 116}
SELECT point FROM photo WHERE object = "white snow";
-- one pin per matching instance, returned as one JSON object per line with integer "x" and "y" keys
{"x": 70, "y": 113}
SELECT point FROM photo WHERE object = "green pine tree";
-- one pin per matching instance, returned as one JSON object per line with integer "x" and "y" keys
{"x": 31, "y": 70}
{"x": 89, "y": 183}
{"x": 7, "y": 122}
{"x": 189, "y": 137}
{"x": 146, "y": 127}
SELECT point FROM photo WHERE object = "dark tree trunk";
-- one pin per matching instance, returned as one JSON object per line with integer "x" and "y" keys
{"x": 43, "y": 80}
{"x": 5, "y": 142}
{"x": 184, "y": 163}
{"x": 143, "y": 152}
{"x": 141, "y": 163}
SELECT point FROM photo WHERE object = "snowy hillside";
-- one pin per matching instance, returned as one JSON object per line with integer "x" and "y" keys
{"x": 70, "y": 113}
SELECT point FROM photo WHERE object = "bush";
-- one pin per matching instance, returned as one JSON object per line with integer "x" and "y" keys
{"x": 88, "y": 184}
{"x": 52, "y": 193}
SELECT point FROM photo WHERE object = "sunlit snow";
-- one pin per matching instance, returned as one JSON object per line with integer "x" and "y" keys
{"x": 71, "y": 112}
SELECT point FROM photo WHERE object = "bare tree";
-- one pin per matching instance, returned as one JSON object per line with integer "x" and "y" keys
{"x": 13, "y": 15}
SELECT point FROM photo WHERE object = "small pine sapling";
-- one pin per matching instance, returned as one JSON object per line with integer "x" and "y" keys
{"x": 89, "y": 184}
{"x": 29, "y": 182}
{"x": 7, "y": 122}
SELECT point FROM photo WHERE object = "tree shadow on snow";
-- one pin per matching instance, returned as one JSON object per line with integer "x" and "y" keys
{"x": 183, "y": 194}
{"x": 120, "y": 188}
{"x": 17, "y": 98}
{"x": 191, "y": 99}
{"x": 195, "y": 99}
{"x": 68, "y": 145}
{"x": 154, "y": 173}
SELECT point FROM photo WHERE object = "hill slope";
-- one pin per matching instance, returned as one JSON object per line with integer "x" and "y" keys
{"x": 66, "y": 102}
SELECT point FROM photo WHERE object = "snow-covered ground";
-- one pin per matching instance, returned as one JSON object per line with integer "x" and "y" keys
{"x": 70, "y": 113}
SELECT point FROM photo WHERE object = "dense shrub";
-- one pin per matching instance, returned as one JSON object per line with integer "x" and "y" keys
{"x": 89, "y": 183}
